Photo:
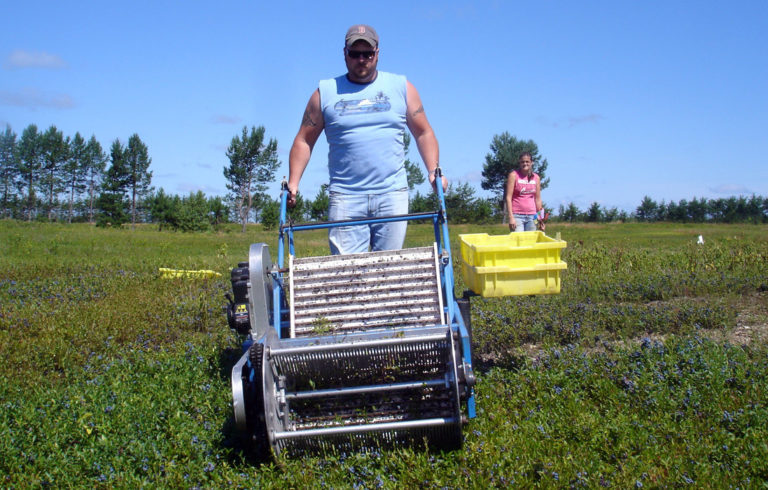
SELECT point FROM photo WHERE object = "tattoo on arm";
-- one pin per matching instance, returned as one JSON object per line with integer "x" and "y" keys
{"x": 306, "y": 120}
{"x": 419, "y": 110}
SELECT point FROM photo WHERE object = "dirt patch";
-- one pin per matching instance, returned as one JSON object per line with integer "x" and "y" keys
{"x": 751, "y": 327}
{"x": 751, "y": 321}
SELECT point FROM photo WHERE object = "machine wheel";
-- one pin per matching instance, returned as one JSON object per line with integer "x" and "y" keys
{"x": 260, "y": 288}
{"x": 257, "y": 428}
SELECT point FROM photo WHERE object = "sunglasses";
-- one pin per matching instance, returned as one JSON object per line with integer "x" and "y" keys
{"x": 368, "y": 55}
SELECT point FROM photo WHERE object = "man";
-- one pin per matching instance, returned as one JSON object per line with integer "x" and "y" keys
{"x": 364, "y": 114}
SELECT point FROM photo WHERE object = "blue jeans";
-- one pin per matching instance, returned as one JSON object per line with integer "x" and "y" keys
{"x": 379, "y": 236}
{"x": 525, "y": 222}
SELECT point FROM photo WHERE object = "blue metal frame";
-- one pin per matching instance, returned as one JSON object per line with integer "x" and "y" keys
{"x": 442, "y": 238}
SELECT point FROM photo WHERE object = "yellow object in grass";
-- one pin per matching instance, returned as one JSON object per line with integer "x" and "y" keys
{"x": 174, "y": 273}
{"x": 516, "y": 264}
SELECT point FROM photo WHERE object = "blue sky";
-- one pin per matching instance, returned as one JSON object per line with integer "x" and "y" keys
{"x": 624, "y": 98}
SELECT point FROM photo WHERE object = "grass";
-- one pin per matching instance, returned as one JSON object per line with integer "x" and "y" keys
{"x": 632, "y": 376}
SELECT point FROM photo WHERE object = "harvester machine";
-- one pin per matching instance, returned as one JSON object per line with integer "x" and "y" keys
{"x": 351, "y": 352}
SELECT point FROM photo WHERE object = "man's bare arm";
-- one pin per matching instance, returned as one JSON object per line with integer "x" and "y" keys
{"x": 426, "y": 142}
{"x": 301, "y": 150}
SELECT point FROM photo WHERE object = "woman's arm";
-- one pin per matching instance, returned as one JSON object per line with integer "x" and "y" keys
{"x": 509, "y": 189}
{"x": 539, "y": 204}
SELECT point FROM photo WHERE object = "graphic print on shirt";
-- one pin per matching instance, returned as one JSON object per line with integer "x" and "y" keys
{"x": 380, "y": 103}
{"x": 527, "y": 186}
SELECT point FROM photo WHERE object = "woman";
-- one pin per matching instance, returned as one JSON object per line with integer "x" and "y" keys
{"x": 523, "y": 195}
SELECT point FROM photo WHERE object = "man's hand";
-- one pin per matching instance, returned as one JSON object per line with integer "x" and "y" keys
{"x": 292, "y": 197}
{"x": 432, "y": 182}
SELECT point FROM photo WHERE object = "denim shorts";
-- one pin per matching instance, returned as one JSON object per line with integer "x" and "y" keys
{"x": 359, "y": 238}
{"x": 525, "y": 222}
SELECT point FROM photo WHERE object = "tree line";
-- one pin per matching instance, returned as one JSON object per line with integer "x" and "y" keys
{"x": 47, "y": 176}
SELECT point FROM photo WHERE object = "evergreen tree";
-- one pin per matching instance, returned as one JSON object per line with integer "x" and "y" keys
{"x": 257, "y": 203}
{"x": 726, "y": 210}
{"x": 252, "y": 164}
{"x": 662, "y": 212}
{"x": 95, "y": 163}
{"x": 318, "y": 209}
{"x": 611, "y": 215}
{"x": 193, "y": 213}
{"x": 753, "y": 210}
{"x": 112, "y": 201}
{"x": 483, "y": 211}
{"x": 698, "y": 210}
{"x": 678, "y": 211}
{"x": 161, "y": 209}
{"x": 459, "y": 201}
{"x": 648, "y": 210}
{"x": 423, "y": 203}
{"x": 594, "y": 213}
{"x": 217, "y": 211}
{"x": 74, "y": 171}
{"x": 55, "y": 153}
{"x": 270, "y": 214}
{"x": 462, "y": 206}
{"x": 9, "y": 172}
{"x": 137, "y": 163}
{"x": 30, "y": 154}
{"x": 570, "y": 213}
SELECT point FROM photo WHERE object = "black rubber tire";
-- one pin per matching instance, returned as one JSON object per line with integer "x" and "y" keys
{"x": 254, "y": 406}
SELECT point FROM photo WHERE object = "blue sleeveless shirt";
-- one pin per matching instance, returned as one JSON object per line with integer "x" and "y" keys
{"x": 364, "y": 126}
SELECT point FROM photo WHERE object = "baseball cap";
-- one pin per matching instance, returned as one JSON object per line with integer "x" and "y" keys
{"x": 362, "y": 32}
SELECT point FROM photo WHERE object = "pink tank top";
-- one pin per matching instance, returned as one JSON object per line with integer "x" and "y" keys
{"x": 524, "y": 194}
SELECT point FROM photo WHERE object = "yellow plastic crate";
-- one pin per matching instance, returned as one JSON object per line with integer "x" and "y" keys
{"x": 512, "y": 265}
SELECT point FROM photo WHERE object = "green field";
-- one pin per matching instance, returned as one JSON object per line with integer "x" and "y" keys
{"x": 648, "y": 370}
